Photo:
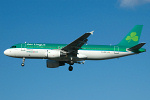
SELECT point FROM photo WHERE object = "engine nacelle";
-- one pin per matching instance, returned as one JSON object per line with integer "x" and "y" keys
{"x": 54, "y": 64}
{"x": 55, "y": 53}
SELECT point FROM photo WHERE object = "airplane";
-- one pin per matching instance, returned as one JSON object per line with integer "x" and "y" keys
{"x": 77, "y": 51}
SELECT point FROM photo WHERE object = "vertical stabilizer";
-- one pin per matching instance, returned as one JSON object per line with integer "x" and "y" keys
{"x": 132, "y": 38}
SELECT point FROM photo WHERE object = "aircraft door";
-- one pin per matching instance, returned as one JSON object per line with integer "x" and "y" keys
{"x": 116, "y": 50}
{"x": 23, "y": 47}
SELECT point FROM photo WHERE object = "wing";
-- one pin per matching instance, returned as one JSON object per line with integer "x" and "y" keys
{"x": 74, "y": 46}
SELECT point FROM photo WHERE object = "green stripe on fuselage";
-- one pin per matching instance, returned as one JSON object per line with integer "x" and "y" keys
{"x": 84, "y": 47}
{"x": 59, "y": 46}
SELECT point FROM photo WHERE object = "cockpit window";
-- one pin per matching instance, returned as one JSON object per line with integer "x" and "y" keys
{"x": 13, "y": 47}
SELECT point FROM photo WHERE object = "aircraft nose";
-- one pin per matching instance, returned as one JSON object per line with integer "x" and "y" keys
{"x": 6, "y": 52}
{"x": 9, "y": 52}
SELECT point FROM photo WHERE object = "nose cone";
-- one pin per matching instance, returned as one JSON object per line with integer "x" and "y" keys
{"x": 9, "y": 52}
{"x": 6, "y": 52}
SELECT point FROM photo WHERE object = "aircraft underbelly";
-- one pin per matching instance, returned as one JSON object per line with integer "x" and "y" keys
{"x": 100, "y": 55}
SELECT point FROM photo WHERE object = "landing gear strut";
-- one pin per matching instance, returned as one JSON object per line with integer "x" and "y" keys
{"x": 71, "y": 63}
{"x": 23, "y": 61}
{"x": 70, "y": 68}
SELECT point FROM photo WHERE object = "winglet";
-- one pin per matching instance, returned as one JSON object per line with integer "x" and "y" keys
{"x": 91, "y": 32}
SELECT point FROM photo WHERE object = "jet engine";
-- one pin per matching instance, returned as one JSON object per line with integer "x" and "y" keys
{"x": 56, "y": 53}
{"x": 54, "y": 64}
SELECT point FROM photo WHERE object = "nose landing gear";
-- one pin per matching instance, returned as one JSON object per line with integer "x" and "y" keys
{"x": 23, "y": 61}
{"x": 22, "y": 64}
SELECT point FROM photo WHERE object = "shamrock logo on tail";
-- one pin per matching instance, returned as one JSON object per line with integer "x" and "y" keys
{"x": 132, "y": 37}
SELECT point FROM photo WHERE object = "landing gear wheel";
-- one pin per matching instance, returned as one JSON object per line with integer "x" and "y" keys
{"x": 70, "y": 68}
{"x": 23, "y": 61}
{"x": 22, "y": 64}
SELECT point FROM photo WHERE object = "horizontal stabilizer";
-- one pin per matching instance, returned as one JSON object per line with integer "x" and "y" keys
{"x": 137, "y": 47}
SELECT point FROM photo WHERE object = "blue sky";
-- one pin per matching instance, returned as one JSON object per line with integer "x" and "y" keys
{"x": 62, "y": 21}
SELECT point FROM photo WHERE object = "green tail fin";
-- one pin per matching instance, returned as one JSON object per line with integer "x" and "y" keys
{"x": 132, "y": 38}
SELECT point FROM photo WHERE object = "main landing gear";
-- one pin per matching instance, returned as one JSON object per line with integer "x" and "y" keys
{"x": 70, "y": 68}
{"x": 71, "y": 63}
{"x": 23, "y": 61}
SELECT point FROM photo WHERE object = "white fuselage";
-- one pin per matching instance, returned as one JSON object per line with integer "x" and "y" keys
{"x": 82, "y": 54}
